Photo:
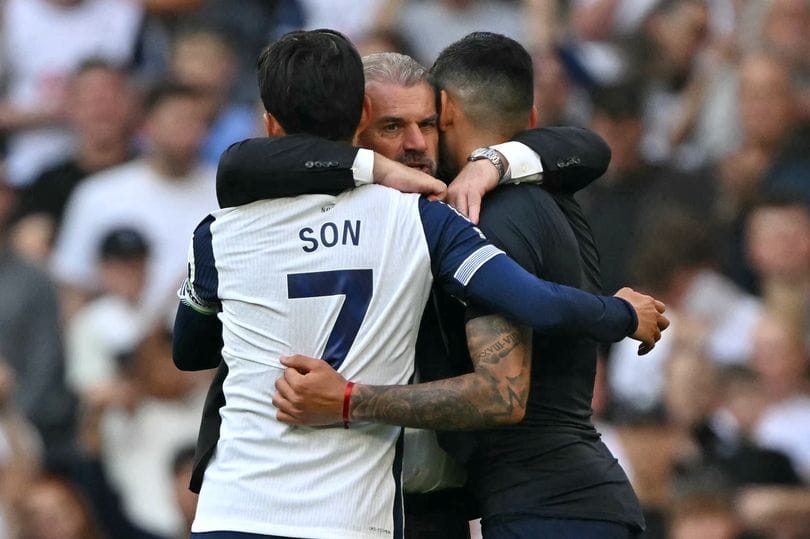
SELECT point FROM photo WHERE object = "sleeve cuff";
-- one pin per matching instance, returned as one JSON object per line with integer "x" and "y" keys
{"x": 363, "y": 167}
{"x": 632, "y": 327}
{"x": 524, "y": 163}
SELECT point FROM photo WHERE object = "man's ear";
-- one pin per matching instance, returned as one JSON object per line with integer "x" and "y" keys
{"x": 533, "y": 117}
{"x": 272, "y": 126}
{"x": 447, "y": 110}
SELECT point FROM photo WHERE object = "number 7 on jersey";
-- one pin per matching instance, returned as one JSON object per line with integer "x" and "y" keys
{"x": 356, "y": 285}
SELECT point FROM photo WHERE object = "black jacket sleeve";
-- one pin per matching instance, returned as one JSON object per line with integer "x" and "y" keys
{"x": 572, "y": 157}
{"x": 260, "y": 168}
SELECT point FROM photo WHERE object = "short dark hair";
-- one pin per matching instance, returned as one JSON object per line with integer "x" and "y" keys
{"x": 312, "y": 82}
{"x": 123, "y": 243}
{"x": 493, "y": 77}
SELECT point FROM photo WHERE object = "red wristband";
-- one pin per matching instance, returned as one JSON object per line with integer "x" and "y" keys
{"x": 347, "y": 399}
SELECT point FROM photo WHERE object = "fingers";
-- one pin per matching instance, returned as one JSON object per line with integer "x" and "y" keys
{"x": 460, "y": 204}
{"x": 437, "y": 188}
{"x": 302, "y": 364}
{"x": 283, "y": 388}
{"x": 474, "y": 208}
{"x": 281, "y": 400}
{"x": 659, "y": 306}
{"x": 436, "y": 197}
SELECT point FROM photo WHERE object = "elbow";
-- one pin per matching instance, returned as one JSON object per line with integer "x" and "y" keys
{"x": 516, "y": 415}
{"x": 509, "y": 417}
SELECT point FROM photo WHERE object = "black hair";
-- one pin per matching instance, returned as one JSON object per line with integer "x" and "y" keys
{"x": 493, "y": 77}
{"x": 312, "y": 82}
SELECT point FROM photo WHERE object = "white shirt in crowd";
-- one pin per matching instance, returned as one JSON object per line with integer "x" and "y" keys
{"x": 164, "y": 210}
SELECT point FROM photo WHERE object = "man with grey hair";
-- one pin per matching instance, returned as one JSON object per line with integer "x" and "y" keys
{"x": 403, "y": 111}
{"x": 404, "y": 125}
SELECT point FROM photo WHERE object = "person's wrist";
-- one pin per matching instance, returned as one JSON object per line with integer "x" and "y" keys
{"x": 493, "y": 156}
{"x": 347, "y": 404}
{"x": 632, "y": 326}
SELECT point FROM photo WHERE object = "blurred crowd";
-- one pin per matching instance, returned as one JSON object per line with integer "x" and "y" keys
{"x": 113, "y": 114}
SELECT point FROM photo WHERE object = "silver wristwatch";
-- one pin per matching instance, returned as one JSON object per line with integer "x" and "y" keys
{"x": 494, "y": 157}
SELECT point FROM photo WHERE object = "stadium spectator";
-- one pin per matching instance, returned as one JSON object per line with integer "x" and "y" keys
{"x": 778, "y": 247}
{"x": 430, "y": 26}
{"x": 633, "y": 190}
{"x": 558, "y": 100}
{"x": 162, "y": 194}
{"x": 709, "y": 312}
{"x": 101, "y": 111}
{"x": 248, "y": 29}
{"x": 52, "y": 508}
{"x": 140, "y": 438}
{"x": 105, "y": 331}
{"x": 31, "y": 341}
{"x": 206, "y": 61}
{"x": 780, "y": 359}
{"x": 44, "y": 41}
{"x": 768, "y": 118}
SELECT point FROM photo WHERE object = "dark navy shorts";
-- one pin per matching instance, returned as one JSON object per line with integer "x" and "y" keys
{"x": 533, "y": 527}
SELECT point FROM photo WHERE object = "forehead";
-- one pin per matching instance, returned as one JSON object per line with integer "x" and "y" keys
{"x": 407, "y": 102}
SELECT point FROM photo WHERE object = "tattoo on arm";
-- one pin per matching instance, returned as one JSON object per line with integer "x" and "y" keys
{"x": 495, "y": 394}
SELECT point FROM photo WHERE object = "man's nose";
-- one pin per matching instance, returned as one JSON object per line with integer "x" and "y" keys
{"x": 414, "y": 138}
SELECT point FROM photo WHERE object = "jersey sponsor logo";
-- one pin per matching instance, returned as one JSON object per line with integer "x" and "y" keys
{"x": 330, "y": 235}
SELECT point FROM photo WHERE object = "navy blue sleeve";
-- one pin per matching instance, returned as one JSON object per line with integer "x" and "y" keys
{"x": 197, "y": 335}
{"x": 196, "y": 340}
{"x": 199, "y": 291}
{"x": 468, "y": 267}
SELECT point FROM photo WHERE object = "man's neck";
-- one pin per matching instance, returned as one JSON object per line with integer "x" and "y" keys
{"x": 94, "y": 157}
{"x": 474, "y": 139}
{"x": 171, "y": 168}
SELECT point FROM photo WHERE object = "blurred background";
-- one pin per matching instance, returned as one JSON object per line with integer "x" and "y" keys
{"x": 113, "y": 114}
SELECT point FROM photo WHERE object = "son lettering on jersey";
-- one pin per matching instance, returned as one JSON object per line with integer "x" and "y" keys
{"x": 330, "y": 235}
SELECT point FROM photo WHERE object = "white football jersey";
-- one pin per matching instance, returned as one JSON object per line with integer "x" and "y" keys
{"x": 344, "y": 278}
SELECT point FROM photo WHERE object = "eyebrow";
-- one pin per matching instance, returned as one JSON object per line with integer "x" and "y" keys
{"x": 400, "y": 119}
{"x": 390, "y": 119}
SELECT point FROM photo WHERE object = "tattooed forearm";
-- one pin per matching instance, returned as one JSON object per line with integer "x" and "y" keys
{"x": 495, "y": 394}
